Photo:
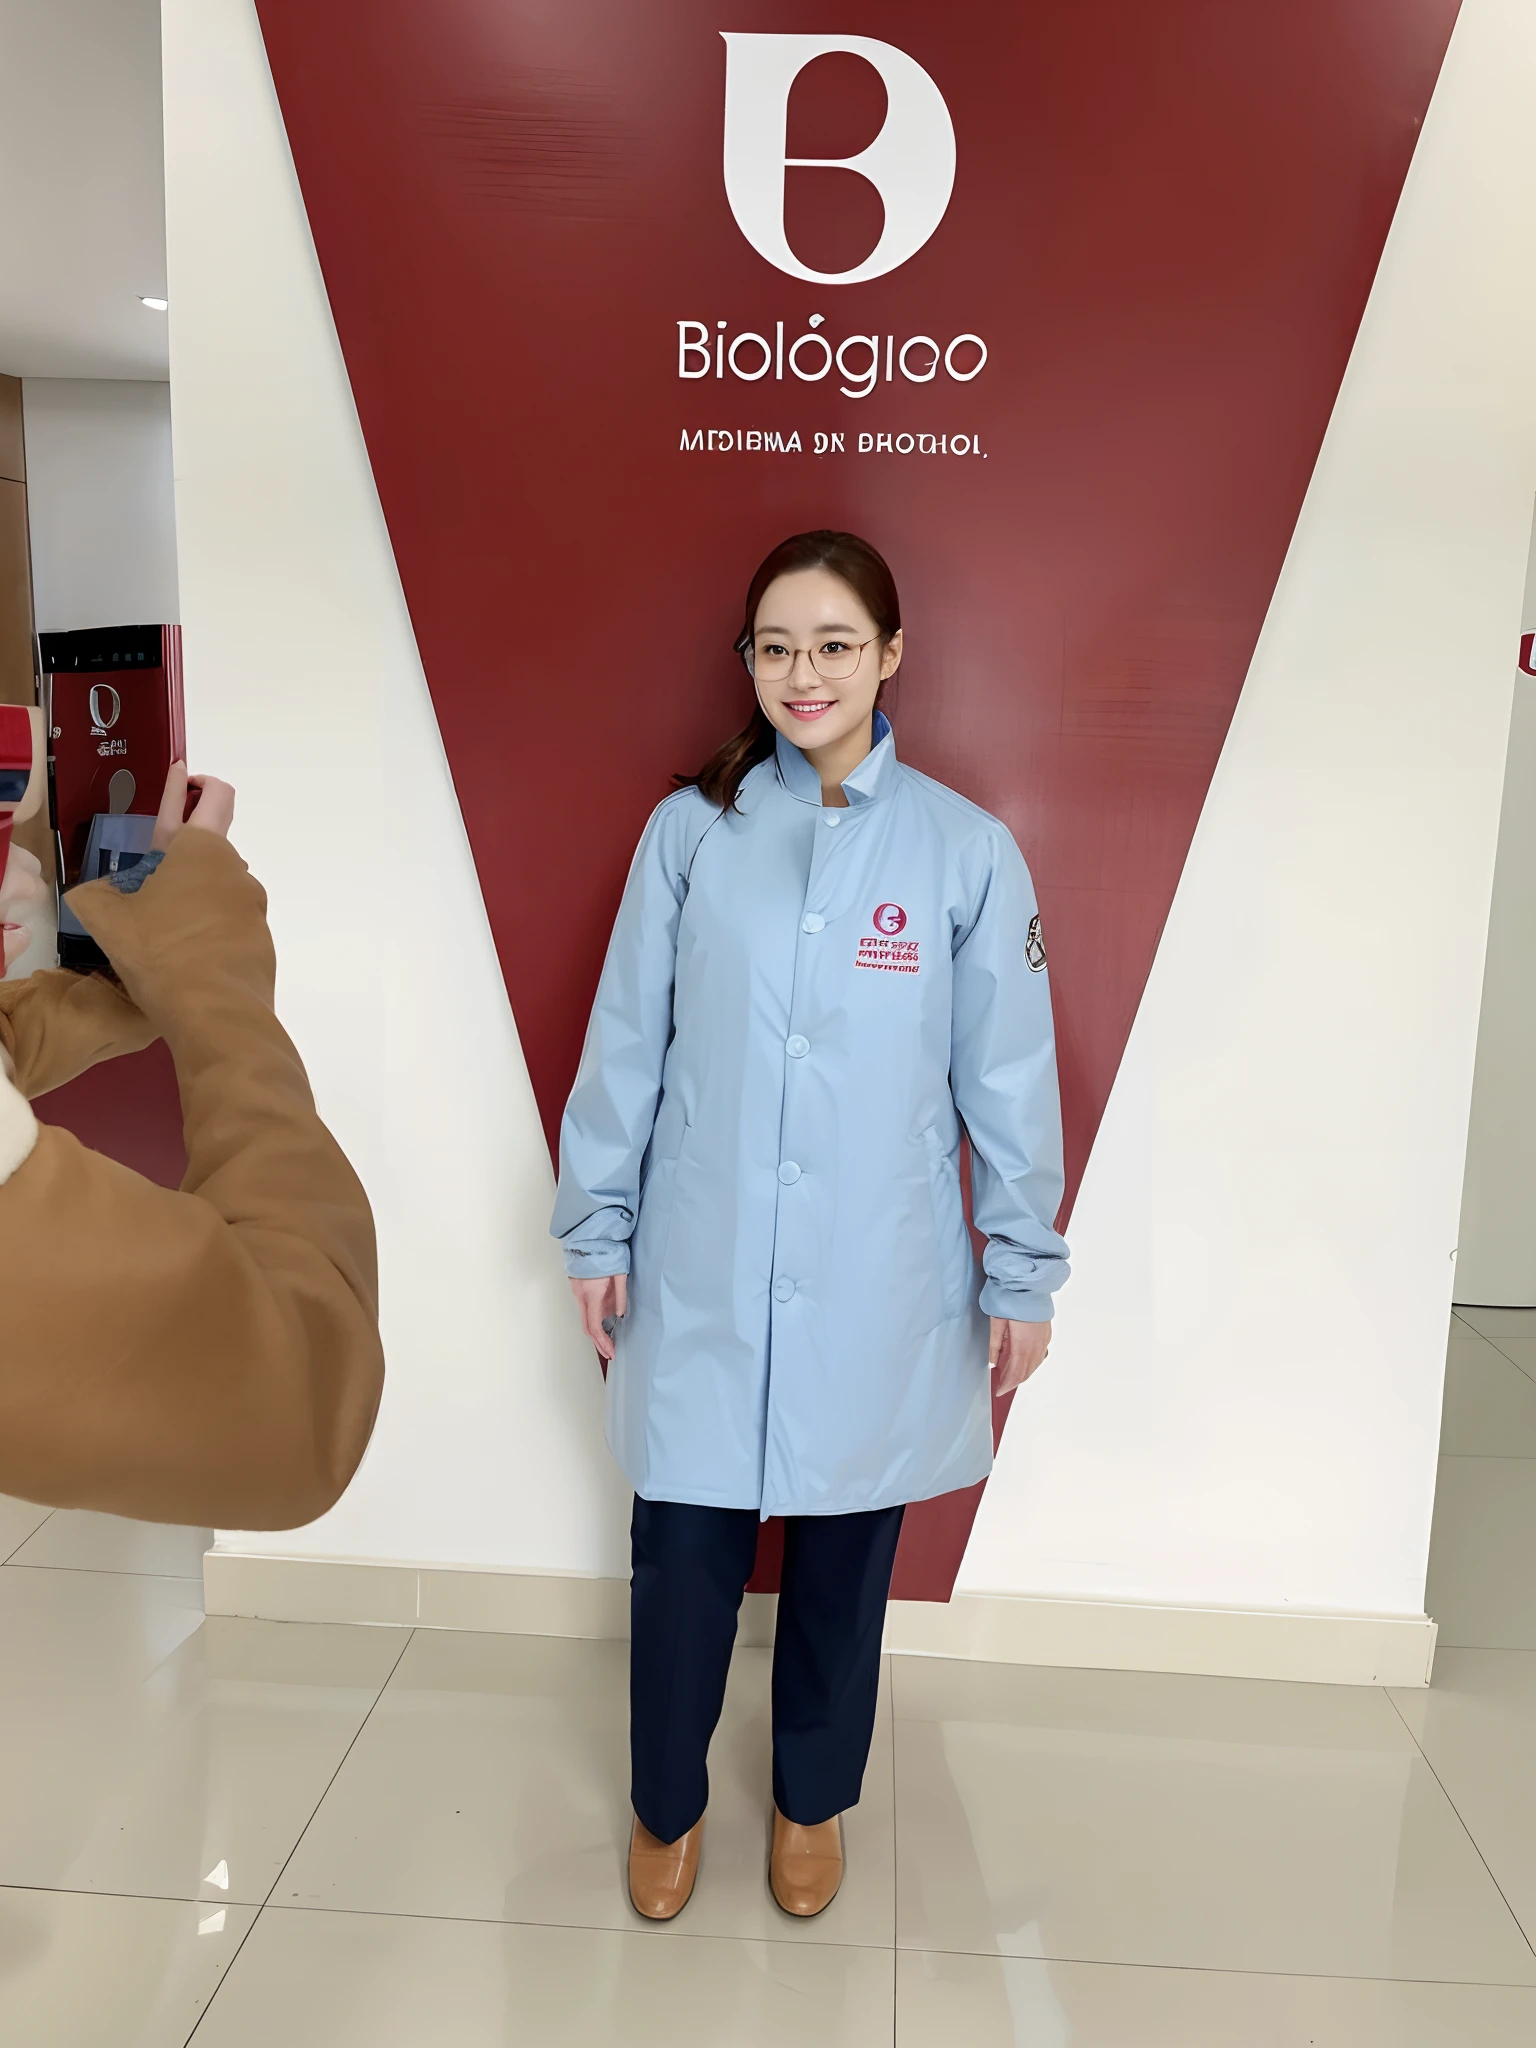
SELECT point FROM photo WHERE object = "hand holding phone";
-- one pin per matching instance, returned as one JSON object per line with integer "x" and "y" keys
{"x": 192, "y": 800}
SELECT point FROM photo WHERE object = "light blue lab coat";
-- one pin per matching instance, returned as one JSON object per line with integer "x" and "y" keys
{"x": 799, "y": 1009}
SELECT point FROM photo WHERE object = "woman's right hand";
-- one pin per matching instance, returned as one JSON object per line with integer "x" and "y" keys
{"x": 600, "y": 1299}
{"x": 215, "y": 810}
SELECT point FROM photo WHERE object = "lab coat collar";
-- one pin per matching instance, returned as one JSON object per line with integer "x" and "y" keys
{"x": 870, "y": 780}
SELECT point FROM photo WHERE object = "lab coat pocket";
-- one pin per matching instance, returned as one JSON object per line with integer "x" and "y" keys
{"x": 952, "y": 1241}
{"x": 653, "y": 1226}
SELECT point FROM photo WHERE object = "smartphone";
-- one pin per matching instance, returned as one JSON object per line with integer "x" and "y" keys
{"x": 116, "y": 723}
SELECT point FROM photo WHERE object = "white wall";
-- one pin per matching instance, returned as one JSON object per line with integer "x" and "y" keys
{"x": 1496, "y": 1253}
{"x": 1242, "y": 1404}
{"x": 100, "y": 502}
{"x": 304, "y": 685}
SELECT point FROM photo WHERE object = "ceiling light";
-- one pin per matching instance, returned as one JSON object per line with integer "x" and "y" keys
{"x": 155, "y": 305}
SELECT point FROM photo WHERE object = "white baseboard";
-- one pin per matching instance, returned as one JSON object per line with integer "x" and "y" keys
{"x": 1104, "y": 1635}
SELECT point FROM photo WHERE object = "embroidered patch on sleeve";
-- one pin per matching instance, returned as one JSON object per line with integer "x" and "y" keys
{"x": 1034, "y": 946}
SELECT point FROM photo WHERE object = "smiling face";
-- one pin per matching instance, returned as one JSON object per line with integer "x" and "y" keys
{"x": 828, "y": 701}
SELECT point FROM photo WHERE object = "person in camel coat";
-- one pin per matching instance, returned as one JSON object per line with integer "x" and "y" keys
{"x": 209, "y": 1355}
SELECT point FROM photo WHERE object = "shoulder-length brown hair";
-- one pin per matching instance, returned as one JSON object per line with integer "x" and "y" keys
{"x": 864, "y": 570}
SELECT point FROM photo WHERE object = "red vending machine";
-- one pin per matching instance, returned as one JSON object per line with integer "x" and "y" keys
{"x": 112, "y": 699}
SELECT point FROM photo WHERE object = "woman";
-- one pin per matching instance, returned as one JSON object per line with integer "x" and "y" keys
{"x": 823, "y": 967}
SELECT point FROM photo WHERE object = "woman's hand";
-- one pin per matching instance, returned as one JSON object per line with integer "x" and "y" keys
{"x": 597, "y": 1299}
{"x": 1016, "y": 1350}
{"x": 215, "y": 810}
{"x": 24, "y": 904}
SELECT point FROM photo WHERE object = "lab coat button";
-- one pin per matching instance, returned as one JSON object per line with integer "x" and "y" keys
{"x": 813, "y": 921}
{"x": 797, "y": 1047}
{"x": 833, "y": 819}
{"x": 783, "y": 1289}
{"x": 789, "y": 1173}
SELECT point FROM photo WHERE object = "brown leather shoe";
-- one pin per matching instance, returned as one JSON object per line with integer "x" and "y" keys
{"x": 661, "y": 1874}
{"x": 806, "y": 1866}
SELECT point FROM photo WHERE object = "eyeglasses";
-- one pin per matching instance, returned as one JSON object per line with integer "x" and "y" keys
{"x": 834, "y": 660}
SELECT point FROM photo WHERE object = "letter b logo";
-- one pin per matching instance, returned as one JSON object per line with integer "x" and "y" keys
{"x": 910, "y": 163}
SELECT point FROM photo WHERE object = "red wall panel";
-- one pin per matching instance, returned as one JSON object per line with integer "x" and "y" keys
{"x": 131, "y": 1110}
{"x": 1164, "y": 223}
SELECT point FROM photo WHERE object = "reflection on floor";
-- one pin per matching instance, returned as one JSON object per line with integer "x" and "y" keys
{"x": 358, "y": 1838}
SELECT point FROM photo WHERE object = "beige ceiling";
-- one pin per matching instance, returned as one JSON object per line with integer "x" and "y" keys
{"x": 82, "y": 189}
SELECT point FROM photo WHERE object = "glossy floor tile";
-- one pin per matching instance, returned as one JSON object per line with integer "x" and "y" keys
{"x": 70, "y": 1634}
{"x": 1047, "y": 1859}
{"x": 1210, "y": 1824}
{"x": 165, "y": 1755}
{"x": 18, "y": 1520}
{"x": 1490, "y": 1405}
{"x": 107, "y": 1543}
{"x": 1007, "y": 2002}
{"x": 1482, "y": 1554}
{"x": 80, "y": 1972}
{"x": 492, "y": 1783}
{"x": 342, "y": 1980}
{"x": 1477, "y": 1727}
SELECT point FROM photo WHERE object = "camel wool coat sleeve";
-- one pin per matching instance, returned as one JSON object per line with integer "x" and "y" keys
{"x": 204, "y": 1356}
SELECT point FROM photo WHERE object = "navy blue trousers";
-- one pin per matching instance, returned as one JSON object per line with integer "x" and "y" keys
{"x": 691, "y": 1566}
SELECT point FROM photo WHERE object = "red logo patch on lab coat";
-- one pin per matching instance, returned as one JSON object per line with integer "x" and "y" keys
{"x": 888, "y": 952}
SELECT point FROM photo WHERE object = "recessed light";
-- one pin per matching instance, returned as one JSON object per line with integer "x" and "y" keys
{"x": 155, "y": 305}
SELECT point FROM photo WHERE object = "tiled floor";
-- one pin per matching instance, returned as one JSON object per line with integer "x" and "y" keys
{"x": 246, "y": 1834}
